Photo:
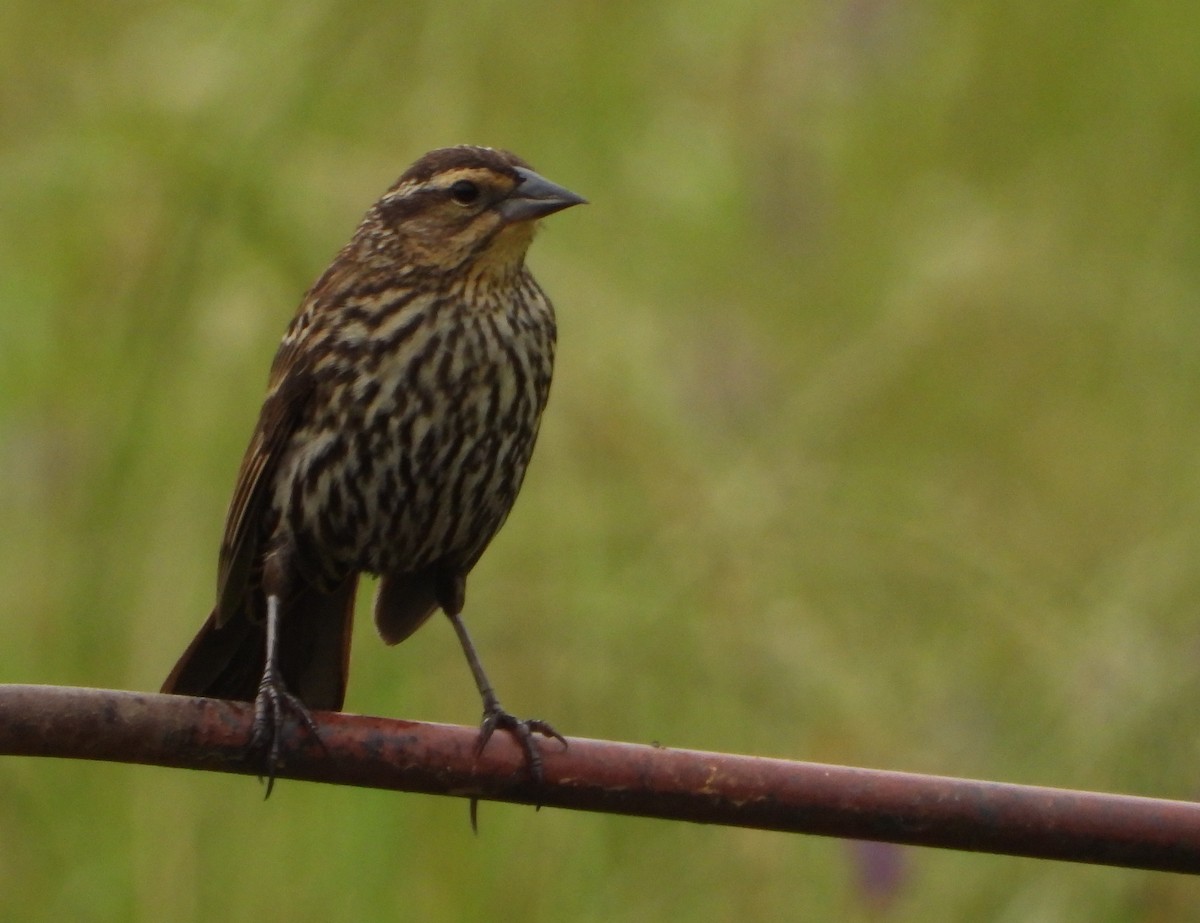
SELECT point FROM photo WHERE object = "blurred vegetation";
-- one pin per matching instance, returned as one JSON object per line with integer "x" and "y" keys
{"x": 875, "y": 437}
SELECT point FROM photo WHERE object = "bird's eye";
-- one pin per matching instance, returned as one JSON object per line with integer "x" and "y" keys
{"x": 464, "y": 192}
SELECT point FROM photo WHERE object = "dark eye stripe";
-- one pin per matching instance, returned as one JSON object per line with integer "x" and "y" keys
{"x": 399, "y": 207}
{"x": 396, "y": 209}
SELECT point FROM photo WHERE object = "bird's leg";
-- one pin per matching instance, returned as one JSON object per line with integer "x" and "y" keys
{"x": 494, "y": 716}
{"x": 272, "y": 701}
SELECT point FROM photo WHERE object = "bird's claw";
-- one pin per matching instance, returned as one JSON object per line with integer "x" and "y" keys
{"x": 523, "y": 730}
{"x": 496, "y": 718}
{"x": 271, "y": 706}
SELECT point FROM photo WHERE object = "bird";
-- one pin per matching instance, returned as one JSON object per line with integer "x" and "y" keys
{"x": 402, "y": 409}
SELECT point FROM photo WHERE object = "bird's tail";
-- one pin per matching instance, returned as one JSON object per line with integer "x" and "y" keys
{"x": 226, "y": 661}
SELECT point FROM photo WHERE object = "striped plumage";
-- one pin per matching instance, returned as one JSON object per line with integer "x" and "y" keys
{"x": 402, "y": 410}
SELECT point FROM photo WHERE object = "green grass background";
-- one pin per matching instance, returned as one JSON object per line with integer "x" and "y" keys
{"x": 875, "y": 437}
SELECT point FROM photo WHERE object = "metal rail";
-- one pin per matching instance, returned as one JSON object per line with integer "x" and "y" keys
{"x": 621, "y": 778}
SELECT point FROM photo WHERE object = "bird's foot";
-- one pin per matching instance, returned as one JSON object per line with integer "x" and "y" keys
{"x": 495, "y": 717}
{"x": 271, "y": 706}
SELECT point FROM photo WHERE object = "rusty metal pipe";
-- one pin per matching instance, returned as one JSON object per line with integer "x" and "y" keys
{"x": 621, "y": 778}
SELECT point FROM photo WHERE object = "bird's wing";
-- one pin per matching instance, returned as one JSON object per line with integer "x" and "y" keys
{"x": 291, "y": 386}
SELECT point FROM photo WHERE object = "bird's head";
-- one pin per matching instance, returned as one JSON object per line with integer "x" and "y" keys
{"x": 471, "y": 209}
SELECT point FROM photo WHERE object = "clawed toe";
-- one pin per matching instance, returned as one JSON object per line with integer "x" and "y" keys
{"x": 523, "y": 730}
{"x": 271, "y": 706}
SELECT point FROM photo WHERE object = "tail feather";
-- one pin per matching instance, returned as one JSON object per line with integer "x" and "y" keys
{"x": 226, "y": 662}
{"x": 402, "y": 604}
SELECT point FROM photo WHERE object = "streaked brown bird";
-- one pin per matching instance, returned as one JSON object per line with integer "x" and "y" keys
{"x": 402, "y": 410}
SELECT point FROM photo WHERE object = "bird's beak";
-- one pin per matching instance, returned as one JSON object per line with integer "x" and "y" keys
{"x": 536, "y": 197}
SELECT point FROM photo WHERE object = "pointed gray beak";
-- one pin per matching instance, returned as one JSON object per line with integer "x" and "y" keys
{"x": 536, "y": 197}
